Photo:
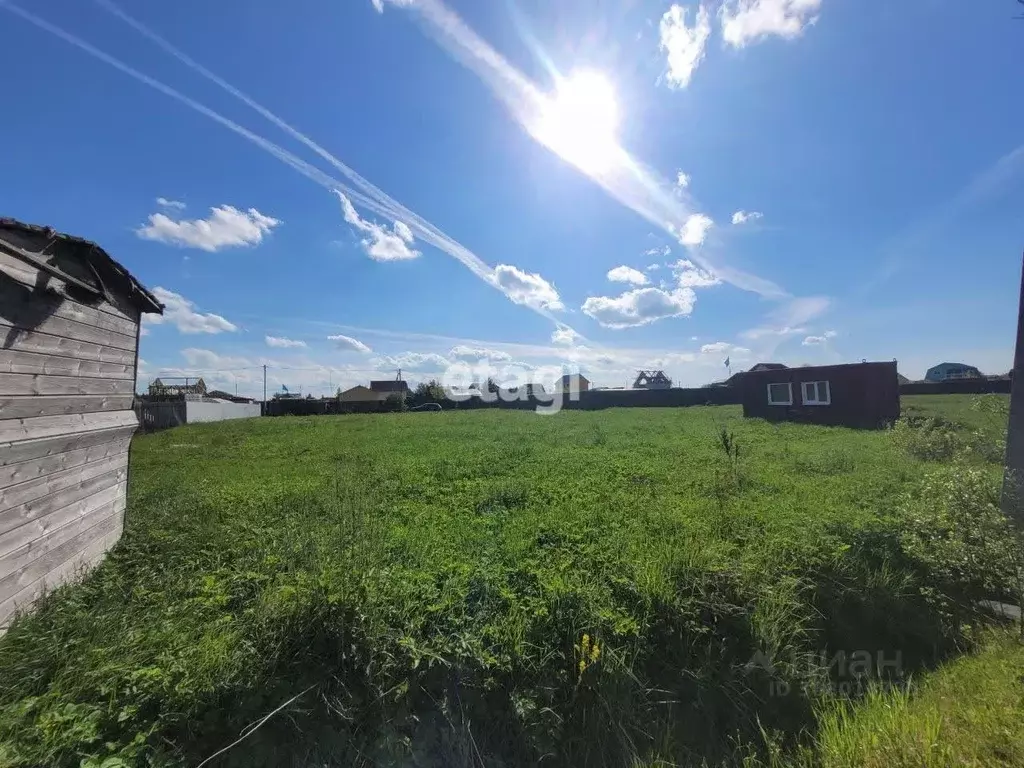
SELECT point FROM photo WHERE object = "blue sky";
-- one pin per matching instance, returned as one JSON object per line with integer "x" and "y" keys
{"x": 611, "y": 186}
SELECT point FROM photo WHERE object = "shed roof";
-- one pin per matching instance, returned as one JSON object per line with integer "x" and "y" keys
{"x": 808, "y": 372}
{"x": 33, "y": 243}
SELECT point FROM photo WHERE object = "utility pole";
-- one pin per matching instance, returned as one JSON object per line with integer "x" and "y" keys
{"x": 1013, "y": 473}
{"x": 264, "y": 389}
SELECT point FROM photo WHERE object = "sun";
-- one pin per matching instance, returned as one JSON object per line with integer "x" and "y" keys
{"x": 580, "y": 121}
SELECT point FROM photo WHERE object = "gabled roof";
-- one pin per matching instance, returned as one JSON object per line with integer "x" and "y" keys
{"x": 768, "y": 367}
{"x": 34, "y": 244}
{"x": 389, "y": 386}
{"x": 361, "y": 393}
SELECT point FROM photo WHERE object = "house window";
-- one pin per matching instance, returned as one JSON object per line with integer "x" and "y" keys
{"x": 817, "y": 393}
{"x": 780, "y": 394}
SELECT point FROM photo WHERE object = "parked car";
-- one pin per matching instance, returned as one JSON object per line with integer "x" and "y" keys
{"x": 427, "y": 407}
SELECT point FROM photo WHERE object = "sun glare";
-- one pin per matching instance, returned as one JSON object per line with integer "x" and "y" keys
{"x": 580, "y": 120}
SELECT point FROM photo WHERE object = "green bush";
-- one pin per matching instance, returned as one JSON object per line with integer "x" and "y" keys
{"x": 930, "y": 439}
{"x": 954, "y": 529}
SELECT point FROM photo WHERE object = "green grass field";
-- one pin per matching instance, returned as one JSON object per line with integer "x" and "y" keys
{"x": 635, "y": 586}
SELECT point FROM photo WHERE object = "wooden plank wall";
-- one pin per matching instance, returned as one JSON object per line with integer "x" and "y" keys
{"x": 67, "y": 381}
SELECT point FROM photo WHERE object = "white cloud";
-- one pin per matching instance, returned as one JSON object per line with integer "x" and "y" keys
{"x": 662, "y": 251}
{"x": 695, "y": 229}
{"x": 720, "y": 347}
{"x": 412, "y": 361}
{"x": 682, "y": 180}
{"x": 673, "y": 358}
{"x": 205, "y": 358}
{"x": 683, "y": 45}
{"x": 226, "y": 227}
{"x": 817, "y": 341}
{"x": 182, "y": 313}
{"x": 745, "y": 21}
{"x": 689, "y": 275}
{"x": 281, "y": 343}
{"x": 626, "y": 274}
{"x": 801, "y": 310}
{"x": 639, "y": 307}
{"x": 349, "y": 344}
{"x": 163, "y": 202}
{"x": 742, "y": 217}
{"x": 380, "y": 243}
{"x": 527, "y": 288}
{"x": 379, "y": 4}
{"x": 564, "y": 335}
{"x": 475, "y": 354}
{"x": 759, "y": 333}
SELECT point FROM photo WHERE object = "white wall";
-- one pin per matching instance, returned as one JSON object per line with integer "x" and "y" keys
{"x": 199, "y": 412}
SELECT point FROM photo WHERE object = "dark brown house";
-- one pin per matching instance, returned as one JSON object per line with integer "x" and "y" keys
{"x": 392, "y": 386}
{"x": 865, "y": 395}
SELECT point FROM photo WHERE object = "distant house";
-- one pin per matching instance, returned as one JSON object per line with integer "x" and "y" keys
{"x": 863, "y": 395}
{"x": 188, "y": 386}
{"x": 901, "y": 379}
{"x": 734, "y": 380}
{"x": 951, "y": 372}
{"x": 361, "y": 394}
{"x": 390, "y": 387}
{"x": 574, "y": 382}
{"x": 652, "y": 380}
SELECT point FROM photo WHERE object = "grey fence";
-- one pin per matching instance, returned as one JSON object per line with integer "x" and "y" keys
{"x": 160, "y": 415}
{"x": 588, "y": 401}
{"x": 958, "y": 387}
{"x": 600, "y": 399}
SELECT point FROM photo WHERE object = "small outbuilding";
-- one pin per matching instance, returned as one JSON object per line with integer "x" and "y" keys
{"x": 69, "y": 336}
{"x": 863, "y": 395}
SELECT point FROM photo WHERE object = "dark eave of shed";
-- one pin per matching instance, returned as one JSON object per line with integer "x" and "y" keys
{"x": 111, "y": 275}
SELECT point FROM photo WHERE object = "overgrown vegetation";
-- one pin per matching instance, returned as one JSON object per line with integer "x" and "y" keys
{"x": 969, "y": 713}
{"x": 496, "y": 588}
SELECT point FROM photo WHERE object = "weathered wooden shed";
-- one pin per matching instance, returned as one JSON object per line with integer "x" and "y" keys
{"x": 864, "y": 395}
{"x": 69, "y": 334}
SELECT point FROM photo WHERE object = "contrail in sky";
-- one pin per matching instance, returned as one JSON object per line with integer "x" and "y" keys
{"x": 626, "y": 180}
{"x": 366, "y": 194}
